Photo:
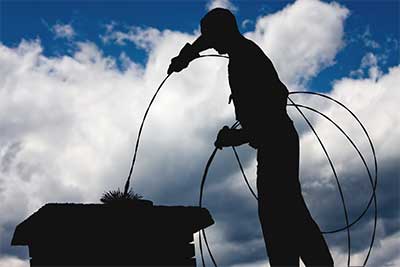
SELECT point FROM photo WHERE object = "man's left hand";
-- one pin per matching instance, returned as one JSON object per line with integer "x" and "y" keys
{"x": 226, "y": 137}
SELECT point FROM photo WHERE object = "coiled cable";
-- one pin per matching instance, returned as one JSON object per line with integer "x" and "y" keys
{"x": 297, "y": 106}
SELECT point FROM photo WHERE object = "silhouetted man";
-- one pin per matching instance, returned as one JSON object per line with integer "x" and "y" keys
{"x": 260, "y": 99}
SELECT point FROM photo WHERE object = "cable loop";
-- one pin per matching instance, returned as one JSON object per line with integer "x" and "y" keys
{"x": 297, "y": 106}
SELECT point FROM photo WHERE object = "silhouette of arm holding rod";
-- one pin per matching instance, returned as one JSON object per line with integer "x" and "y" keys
{"x": 226, "y": 136}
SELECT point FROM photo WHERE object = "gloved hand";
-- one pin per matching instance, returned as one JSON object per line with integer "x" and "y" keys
{"x": 225, "y": 137}
{"x": 181, "y": 61}
{"x": 231, "y": 137}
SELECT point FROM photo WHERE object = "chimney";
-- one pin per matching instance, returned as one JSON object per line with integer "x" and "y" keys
{"x": 112, "y": 235}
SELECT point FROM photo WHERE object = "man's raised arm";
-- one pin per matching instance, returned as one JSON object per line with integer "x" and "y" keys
{"x": 187, "y": 54}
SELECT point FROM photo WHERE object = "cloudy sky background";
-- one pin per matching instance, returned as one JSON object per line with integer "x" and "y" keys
{"x": 75, "y": 79}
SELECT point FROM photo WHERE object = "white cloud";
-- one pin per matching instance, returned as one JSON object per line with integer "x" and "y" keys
{"x": 366, "y": 37}
{"x": 375, "y": 103}
{"x": 13, "y": 262}
{"x": 370, "y": 61}
{"x": 369, "y": 66}
{"x": 63, "y": 31}
{"x": 253, "y": 264}
{"x": 246, "y": 23}
{"x": 68, "y": 123}
{"x": 302, "y": 38}
{"x": 76, "y": 118}
{"x": 110, "y": 26}
{"x": 144, "y": 38}
{"x": 221, "y": 3}
{"x": 385, "y": 254}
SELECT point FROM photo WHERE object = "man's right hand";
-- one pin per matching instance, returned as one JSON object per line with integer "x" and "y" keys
{"x": 181, "y": 61}
{"x": 177, "y": 64}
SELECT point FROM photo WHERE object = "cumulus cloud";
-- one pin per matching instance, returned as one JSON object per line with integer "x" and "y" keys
{"x": 302, "y": 38}
{"x": 63, "y": 31}
{"x": 221, "y": 3}
{"x": 374, "y": 101}
{"x": 68, "y": 124}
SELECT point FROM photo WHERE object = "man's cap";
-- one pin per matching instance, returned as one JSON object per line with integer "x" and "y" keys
{"x": 217, "y": 22}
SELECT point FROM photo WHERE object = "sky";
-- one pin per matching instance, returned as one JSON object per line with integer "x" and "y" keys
{"x": 76, "y": 78}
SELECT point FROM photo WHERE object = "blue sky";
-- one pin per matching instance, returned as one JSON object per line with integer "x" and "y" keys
{"x": 76, "y": 78}
{"x": 33, "y": 19}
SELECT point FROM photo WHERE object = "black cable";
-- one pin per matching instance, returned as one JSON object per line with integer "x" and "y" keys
{"x": 357, "y": 150}
{"x": 334, "y": 172}
{"x": 213, "y": 55}
{"x": 346, "y": 216}
{"x": 354, "y": 146}
{"x": 373, "y": 196}
{"x": 352, "y": 143}
{"x": 127, "y": 183}
{"x": 244, "y": 174}
{"x": 369, "y": 176}
{"x": 139, "y": 134}
{"x": 374, "y": 183}
{"x": 337, "y": 180}
{"x": 203, "y": 180}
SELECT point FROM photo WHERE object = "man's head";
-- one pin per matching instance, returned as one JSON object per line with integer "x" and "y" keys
{"x": 219, "y": 28}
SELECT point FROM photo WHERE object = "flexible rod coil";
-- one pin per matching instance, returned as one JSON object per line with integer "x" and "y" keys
{"x": 298, "y": 107}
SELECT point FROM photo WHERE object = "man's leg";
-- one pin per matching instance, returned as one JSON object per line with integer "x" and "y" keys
{"x": 288, "y": 228}
{"x": 315, "y": 251}
{"x": 279, "y": 240}
{"x": 274, "y": 213}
